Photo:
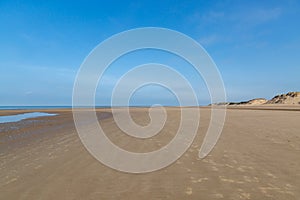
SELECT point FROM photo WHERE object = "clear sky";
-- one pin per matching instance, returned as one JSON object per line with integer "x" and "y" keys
{"x": 255, "y": 44}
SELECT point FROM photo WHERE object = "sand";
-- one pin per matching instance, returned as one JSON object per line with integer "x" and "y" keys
{"x": 257, "y": 157}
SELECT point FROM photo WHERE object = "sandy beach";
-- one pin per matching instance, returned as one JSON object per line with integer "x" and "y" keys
{"x": 257, "y": 157}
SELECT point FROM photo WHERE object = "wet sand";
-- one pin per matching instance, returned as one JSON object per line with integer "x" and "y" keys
{"x": 257, "y": 157}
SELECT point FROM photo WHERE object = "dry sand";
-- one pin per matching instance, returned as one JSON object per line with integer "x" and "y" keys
{"x": 257, "y": 157}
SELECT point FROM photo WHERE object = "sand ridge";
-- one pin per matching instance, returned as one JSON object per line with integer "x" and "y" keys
{"x": 290, "y": 98}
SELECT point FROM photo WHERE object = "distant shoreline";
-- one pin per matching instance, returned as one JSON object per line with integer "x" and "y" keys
{"x": 70, "y": 107}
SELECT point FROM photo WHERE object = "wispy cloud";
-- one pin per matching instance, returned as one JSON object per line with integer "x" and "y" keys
{"x": 208, "y": 40}
{"x": 258, "y": 16}
{"x": 237, "y": 23}
{"x": 254, "y": 15}
{"x": 212, "y": 16}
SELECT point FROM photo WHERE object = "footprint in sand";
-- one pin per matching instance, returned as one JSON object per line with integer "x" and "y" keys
{"x": 222, "y": 178}
{"x": 199, "y": 180}
{"x": 188, "y": 170}
{"x": 271, "y": 175}
{"x": 219, "y": 196}
{"x": 243, "y": 168}
{"x": 251, "y": 179}
{"x": 214, "y": 168}
{"x": 245, "y": 195}
{"x": 38, "y": 166}
{"x": 11, "y": 180}
{"x": 234, "y": 161}
{"x": 240, "y": 169}
{"x": 189, "y": 191}
{"x": 191, "y": 150}
{"x": 178, "y": 162}
{"x": 230, "y": 166}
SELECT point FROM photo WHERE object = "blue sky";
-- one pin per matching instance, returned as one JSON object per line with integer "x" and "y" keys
{"x": 255, "y": 45}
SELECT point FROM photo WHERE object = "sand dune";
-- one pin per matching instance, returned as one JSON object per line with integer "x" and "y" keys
{"x": 291, "y": 98}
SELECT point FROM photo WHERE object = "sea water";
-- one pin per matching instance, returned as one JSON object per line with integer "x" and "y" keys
{"x": 19, "y": 117}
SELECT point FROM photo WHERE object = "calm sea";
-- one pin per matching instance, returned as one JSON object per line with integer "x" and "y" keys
{"x": 57, "y": 107}
{"x": 31, "y": 107}
{"x": 40, "y": 107}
